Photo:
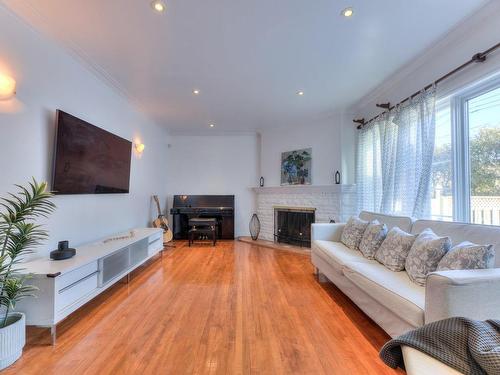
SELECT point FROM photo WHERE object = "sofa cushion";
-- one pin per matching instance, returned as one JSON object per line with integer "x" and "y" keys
{"x": 337, "y": 254}
{"x": 468, "y": 256}
{"x": 425, "y": 254}
{"x": 402, "y": 222}
{"x": 395, "y": 248}
{"x": 353, "y": 232}
{"x": 394, "y": 290}
{"x": 372, "y": 238}
{"x": 459, "y": 232}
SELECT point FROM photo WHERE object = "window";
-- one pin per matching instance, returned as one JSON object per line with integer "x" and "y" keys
{"x": 483, "y": 121}
{"x": 442, "y": 171}
{"x": 466, "y": 167}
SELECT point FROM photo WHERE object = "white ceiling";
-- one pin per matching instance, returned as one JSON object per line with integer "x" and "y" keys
{"x": 248, "y": 58}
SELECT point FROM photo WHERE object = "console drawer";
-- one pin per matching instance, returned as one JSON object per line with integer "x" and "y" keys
{"x": 71, "y": 277}
{"x": 155, "y": 245}
{"x": 155, "y": 237}
{"x": 73, "y": 292}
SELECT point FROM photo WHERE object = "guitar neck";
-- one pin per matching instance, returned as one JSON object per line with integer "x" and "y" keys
{"x": 155, "y": 197}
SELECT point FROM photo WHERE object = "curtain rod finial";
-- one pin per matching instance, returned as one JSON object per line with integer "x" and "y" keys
{"x": 384, "y": 105}
{"x": 479, "y": 57}
{"x": 360, "y": 121}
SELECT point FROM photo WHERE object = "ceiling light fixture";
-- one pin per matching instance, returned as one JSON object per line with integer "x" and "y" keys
{"x": 212, "y": 125}
{"x": 159, "y": 6}
{"x": 300, "y": 93}
{"x": 196, "y": 92}
{"x": 347, "y": 12}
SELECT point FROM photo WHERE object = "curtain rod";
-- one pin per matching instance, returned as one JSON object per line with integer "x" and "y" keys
{"x": 477, "y": 58}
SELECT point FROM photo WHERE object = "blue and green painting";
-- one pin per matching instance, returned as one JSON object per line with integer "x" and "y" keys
{"x": 296, "y": 167}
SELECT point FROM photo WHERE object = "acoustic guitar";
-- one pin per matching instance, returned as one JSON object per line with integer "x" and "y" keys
{"x": 162, "y": 222}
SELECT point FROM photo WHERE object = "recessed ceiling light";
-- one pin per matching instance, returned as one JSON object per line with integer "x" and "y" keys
{"x": 212, "y": 125}
{"x": 196, "y": 92}
{"x": 159, "y": 6}
{"x": 347, "y": 12}
{"x": 300, "y": 93}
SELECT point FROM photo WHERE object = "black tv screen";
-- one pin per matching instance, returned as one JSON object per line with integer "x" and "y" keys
{"x": 89, "y": 160}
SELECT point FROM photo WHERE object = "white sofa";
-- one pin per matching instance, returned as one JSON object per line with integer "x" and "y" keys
{"x": 397, "y": 304}
{"x": 390, "y": 298}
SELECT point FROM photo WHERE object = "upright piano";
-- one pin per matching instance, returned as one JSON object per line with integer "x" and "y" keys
{"x": 220, "y": 207}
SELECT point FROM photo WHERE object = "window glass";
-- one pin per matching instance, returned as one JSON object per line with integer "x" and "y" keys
{"x": 484, "y": 157}
{"x": 442, "y": 172}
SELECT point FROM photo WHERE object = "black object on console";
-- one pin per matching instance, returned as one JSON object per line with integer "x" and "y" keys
{"x": 63, "y": 251}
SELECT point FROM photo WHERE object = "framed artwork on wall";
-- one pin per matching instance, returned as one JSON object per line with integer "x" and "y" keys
{"x": 296, "y": 167}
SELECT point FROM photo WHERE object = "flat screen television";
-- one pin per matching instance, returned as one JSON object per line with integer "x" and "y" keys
{"x": 89, "y": 160}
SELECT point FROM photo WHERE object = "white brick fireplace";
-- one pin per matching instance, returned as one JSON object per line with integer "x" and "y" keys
{"x": 331, "y": 202}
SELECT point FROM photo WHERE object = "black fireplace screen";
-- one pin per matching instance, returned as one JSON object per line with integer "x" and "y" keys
{"x": 293, "y": 226}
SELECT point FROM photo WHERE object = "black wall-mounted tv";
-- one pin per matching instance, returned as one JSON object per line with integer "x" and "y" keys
{"x": 89, "y": 160}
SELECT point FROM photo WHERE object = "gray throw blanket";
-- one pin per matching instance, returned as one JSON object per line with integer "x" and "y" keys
{"x": 469, "y": 346}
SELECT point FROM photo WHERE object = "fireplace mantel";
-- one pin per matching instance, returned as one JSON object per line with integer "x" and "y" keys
{"x": 295, "y": 208}
{"x": 307, "y": 189}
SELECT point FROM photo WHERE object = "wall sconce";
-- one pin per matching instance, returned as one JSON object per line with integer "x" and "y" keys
{"x": 7, "y": 87}
{"x": 139, "y": 147}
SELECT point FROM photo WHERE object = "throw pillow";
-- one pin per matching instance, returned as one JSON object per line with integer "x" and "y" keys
{"x": 394, "y": 249}
{"x": 425, "y": 254}
{"x": 374, "y": 234}
{"x": 468, "y": 256}
{"x": 353, "y": 232}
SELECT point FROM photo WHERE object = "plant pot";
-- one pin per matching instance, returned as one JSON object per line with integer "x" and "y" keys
{"x": 12, "y": 339}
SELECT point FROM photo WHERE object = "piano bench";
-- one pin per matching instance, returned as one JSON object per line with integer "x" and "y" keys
{"x": 203, "y": 226}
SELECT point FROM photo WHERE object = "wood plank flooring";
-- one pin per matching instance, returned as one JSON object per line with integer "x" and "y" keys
{"x": 233, "y": 309}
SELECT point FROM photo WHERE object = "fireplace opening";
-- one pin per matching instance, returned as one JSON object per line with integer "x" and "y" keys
{"x": 293, "y": 225}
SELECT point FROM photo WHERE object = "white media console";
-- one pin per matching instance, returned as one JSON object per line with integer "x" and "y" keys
{"x": 66, "y": 285}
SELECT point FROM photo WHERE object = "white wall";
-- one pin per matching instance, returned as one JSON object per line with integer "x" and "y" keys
{"x": 476, "y": 34}
{"x": 328, "y": 150}
{"x": 48, "y": 79}
{"x": 217, "y": 164}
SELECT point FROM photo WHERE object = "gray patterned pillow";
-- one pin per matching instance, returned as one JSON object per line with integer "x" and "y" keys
{"x": 394, "y": 250}
{"x": 353, "y": 232}
{"x": 425, "y": 254}
{"x": 372, "y": 239}
{"x": 468, "y": 256}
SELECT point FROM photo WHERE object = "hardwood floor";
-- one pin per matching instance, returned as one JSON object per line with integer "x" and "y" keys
{"x": 232, "y": 309}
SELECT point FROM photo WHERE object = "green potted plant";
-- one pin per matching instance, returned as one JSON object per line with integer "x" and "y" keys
{"x": 19, "y": 235}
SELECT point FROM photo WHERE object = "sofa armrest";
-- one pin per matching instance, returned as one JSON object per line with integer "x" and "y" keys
{"x": 327, "y": 231}
{"x": 418, "y": 363}
{"x": 473, "y": 294}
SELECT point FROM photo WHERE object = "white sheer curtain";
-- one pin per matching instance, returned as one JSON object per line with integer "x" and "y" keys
{"x": 369, "y": 166}
{"x": 394, "y": 162}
